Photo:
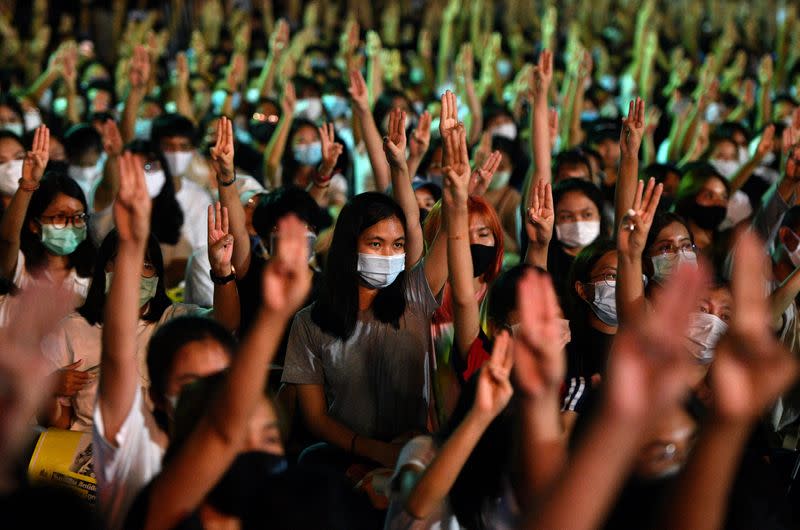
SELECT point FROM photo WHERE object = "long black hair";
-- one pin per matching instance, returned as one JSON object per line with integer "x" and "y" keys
{"x": 336, "y": 309}
{"x": 166, "y": 217}
{"x": 94, "y": 306}
{"x": 52, "y": 184}
{"x": 484, "y": 475}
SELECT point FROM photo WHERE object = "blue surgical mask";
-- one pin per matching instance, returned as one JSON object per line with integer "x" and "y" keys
{"x": 62, "y": 241}
{"x": 142, "y": 129}
{"x": 504, "y": 68}
{"x": 147, "y": 288}
{"x": 416, "y": 75}
{"x": 308, "y": 154}
{"x": 337, "y": 106}
{"x": 380, "y": 271}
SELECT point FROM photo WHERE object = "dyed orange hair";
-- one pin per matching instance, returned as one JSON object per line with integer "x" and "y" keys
{"x": 476, "y": 206}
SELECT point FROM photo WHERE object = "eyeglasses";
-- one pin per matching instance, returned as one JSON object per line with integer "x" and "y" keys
{"x": 609, "y": 278}
{"x": 61, "y": 221}
{"x": 671, "y": 251}
{"x": 148, "y": 270}
{"x": 153, "y": 165}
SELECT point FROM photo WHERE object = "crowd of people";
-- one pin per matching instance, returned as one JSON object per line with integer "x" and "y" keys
{"x": 475, "y": 264}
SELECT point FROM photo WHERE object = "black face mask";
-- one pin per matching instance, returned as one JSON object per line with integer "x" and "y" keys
{"x": 246, "y": 482}
{"x": 707, "y": 217}
{"x": 261, "y": 131}
{"x": 482, "y": 258}
{"x": 665, "y": 203}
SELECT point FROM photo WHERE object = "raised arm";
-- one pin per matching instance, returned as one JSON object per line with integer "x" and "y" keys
{"x": 221, "y": 245}
{"x": 138, "y": 78}
{"x": 629, "y": 142}
{"x": 744, "y": 173}
{"x": 631, "y": 240}
{"x": 540, "y": 129}
{"x": 394, "y": 145}
{"x": 118, "y": 362}
{"x": 331, "y": 151}
{"x": 212, "y": 446}
{"x": 647, "y": 376}
{"x": 750, "y": 371}
{"x": 14, "y": 216}
{"x": 418, "y": 144}
{"x": 183, "y": 98}
{"x": 491, "y": 397}
{"x": 222, "y": 164}
{"x": 109, "y": 186}
{"x": 278, "y": 42}
{"x": 277, "y": 142}
{"x": 371, "y": 134}
{"x": 456, "y": 222}
{"x": 539, "y": 369}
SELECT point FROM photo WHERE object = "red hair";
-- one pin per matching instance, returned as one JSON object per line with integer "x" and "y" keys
{"x": 476, "y": 206}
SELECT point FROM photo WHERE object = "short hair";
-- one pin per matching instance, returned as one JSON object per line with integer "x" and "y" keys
{"x": 170, "y": 125}
{"x": 281, "y": 202}
{"x": 81, "y": 139}
{"x": 571, "y": 157}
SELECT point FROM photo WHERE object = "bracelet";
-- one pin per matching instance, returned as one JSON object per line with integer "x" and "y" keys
{"x": 228, "y": 183}
{"x": 353, "y": 444}
{"x": 221, "y": 280}
{"x": 23, "y": 187}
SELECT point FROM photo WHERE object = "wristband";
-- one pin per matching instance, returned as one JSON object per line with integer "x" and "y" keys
{"x": 221, "y": 280}
{"x": 23, "y": 187}
{"x": 228, "y": 183}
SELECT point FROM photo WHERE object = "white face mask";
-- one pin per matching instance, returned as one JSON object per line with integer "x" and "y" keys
{"x": 726, "y": 168}
{"x": 579, "y": 234}
{"x": 604, "y": 304}
{"x": 664, "y": 266}
{"x": 739, "y": 209}
{"x": 500, "y": 180}
{"x": 16, "y": 128}
{"x": 380, "y": 271}
{"x": 506, "y": 130}
{"x": 10, "y": 173}
{"x": 704, "y": 332}
{"x": 178, "y": 161}
{"x": 32, "y": 119}
{"x": 744, "y": 156}
{"x": 155, "y": 181}
{"x": 308, "y": 108}
{"x": 87, "y": 177}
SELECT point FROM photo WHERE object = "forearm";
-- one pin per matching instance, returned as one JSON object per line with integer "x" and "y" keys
{"x": 374, "y": 145}
{"x": 40, "y": 86}
{"x": 536, "y": 255}
{"x": 183, "y": 102}
{"x": 764, "y": 110}
{"x": 585, "y": 490}
{"x": 11, "y": 229}
{"x": 127, "y": 125}
{"x": 540, "y": 141}
{"x": 438, "y": 479}
{"x": 475, "y": 112}
{"x": 274, "y": 150}
{"x": 118, "y": 362}
{"x": 784, "y": 296}
{"x": 625, "y": 191}
{"x": 708, "y": 475}
{"x": 541, "y": 446}
{"x": 404, "y": 195}
{"x": 72, "y": 114}
{"x": 630, "y": 290}
{"x": 229, "y": 197}
{"x": 266, "y": 81}
{"x": 459, "y": 258}
{"x": 445, "y": 51}
{"x": 745, "y": 172}
{"x": 226, "y": 306}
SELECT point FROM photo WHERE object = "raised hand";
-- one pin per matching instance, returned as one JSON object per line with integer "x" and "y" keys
{"x": 457, "y": 172}
{"x": 70, "y": 380}
{"x": 181, "y": 70}
{"x": 765, "y": 70}
{"x": 394, "y": 143}
{"x": 649, "y": 367}
{"x": 636, "y": 224}
{"x": 494, "y": 389}
{"x": 421, "y": 137}
{"x": 36, "y": 159}
{"x": 279, "y": 39}
{"x": 331, "y": 150}
{"x": 220, "y": 240}
{"x": 751, "y": 368}
{"x": 139, "y": 68}
{"x": 481, "y": 176}
{"x": 767, "y": 141}
{"x": 112, "y": 140}
{"x": 630, "y": 138}
{"x": 236, "y": 72}
{"x": 287, "y": 277}
{"x": 652, "y": 118}
{"x": 541, "y": 214}
{"x": 543, "y": 74}
{"x": 790, "y": 143}
{"x": 448, "y": 118}
{"x": 222, "y": 152}
{"x": 539, "y": 360}
{"x": 358, "y": 91}
{"x": 133, "y": 204}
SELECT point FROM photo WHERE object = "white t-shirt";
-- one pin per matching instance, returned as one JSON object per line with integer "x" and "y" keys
{"x": 22, "y": 279}
{"x": 194, "y": 201}
{"x": 199, "y": 288}
{"x": 126, "y": 466}
{"x": 76, "y": 340}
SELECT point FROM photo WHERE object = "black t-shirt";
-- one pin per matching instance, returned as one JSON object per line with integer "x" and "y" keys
{"x": 559, "y": 264}
{"x": 587, "y": 351}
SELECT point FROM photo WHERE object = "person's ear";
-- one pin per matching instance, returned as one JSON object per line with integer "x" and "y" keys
{"x": 34, "y": 227}
{"x": 582, "y": 290}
